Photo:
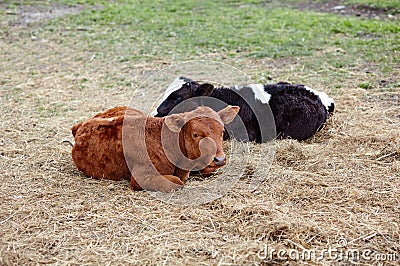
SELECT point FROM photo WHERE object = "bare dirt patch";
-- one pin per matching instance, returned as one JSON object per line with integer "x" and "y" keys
{"x": 30, "y": 14}
{"x": 40, "y": 12}
{"x": 337, "y": 7}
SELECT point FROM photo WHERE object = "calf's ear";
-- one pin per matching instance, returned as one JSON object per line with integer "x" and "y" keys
{"x": 204, "y": 90}
{"x": 228, "y": 113}
{"x": 175, "y": 122}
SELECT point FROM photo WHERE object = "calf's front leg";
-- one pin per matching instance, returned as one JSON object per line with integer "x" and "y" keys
{"x": 164, "y": 183}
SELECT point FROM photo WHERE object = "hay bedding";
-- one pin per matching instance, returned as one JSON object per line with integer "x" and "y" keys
{"x": 344, "y": 183}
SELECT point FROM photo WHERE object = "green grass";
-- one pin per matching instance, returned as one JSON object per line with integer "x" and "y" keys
{"x": 192, "y": 28}
{"x": 366, "y": 86}
{"x": 188, "y": 29}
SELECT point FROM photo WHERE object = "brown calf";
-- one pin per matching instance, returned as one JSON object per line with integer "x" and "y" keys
{"x": 124, "y": 143}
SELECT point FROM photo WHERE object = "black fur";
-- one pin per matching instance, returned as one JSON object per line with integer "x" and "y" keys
{"x": 298, "y": 113}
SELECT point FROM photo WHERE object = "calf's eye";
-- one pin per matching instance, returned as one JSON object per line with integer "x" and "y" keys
{"x": 195, "y": 135}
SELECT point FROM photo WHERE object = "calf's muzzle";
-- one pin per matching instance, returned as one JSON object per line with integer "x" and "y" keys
{"x": 219, "y": 161}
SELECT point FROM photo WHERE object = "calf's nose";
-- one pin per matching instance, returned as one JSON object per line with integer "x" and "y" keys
{"x": 220, "y": 160}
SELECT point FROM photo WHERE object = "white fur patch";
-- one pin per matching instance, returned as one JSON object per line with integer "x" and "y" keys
{"x": 174, "y": 86}
{"x": 154, "y": 112}
{"x": 325, "y": 99}
{"x": 259, "y": 93}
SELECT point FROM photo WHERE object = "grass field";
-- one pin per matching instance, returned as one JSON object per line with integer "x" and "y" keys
{"x": 337, "y": 191}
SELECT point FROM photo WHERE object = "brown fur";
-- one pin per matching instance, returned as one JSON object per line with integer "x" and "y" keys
{"x": 103, "y": 150}
{"x": 113, "y": 112}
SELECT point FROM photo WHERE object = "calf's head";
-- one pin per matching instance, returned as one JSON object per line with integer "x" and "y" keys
{"x": 201, "y": 136}
{"x": 180, "y": 90}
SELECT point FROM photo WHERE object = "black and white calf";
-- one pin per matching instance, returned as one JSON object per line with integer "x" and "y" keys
{"x": 298, "y": 111}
